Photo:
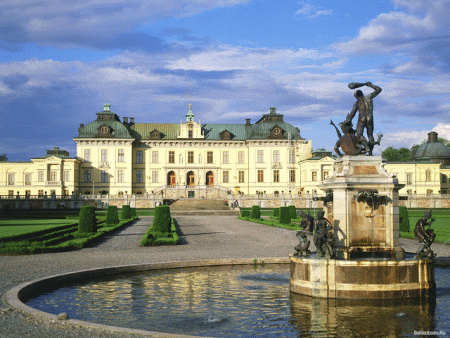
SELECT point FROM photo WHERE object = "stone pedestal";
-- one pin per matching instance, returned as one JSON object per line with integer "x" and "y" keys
{"x": 369, "y": 264}
{"x": 362, "y": 279}
{"x": 364, "y": 228}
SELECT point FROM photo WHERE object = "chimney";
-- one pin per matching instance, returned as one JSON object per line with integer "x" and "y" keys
{"x": 432, "y": 136}
{"x": 125, "y": 120}
{"x": 273, "y": 110}
{"x": 131, "y": 120}
{"x": 247, "y": 122}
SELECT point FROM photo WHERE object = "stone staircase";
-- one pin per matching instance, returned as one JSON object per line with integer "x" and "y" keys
{"x": 199, "y": 207}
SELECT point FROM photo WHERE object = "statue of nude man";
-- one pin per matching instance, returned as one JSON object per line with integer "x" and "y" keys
{"x": 364, "y": 105}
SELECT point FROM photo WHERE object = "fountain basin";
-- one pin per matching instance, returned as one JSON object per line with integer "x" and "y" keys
{"x": 362, "y": 279}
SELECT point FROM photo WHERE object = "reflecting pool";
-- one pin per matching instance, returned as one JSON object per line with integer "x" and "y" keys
{"x": 241, "y": 301}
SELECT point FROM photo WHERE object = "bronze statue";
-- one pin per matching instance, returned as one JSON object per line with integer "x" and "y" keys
{"x": 303, "y": 246}
{"x": 425, "y": 236}
{"x": 321, "y": 238}
{"x": 307, "y": 223}
{"x": 364, "y": 105}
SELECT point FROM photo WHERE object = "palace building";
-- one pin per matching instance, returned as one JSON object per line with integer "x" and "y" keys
{"x": 186, "y": 159}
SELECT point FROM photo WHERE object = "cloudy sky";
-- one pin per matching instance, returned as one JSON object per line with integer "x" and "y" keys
{"x": 61, "y": 60}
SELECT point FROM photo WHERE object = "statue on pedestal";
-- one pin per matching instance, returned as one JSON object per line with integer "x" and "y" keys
{"x": 322, "y": 240}
{"x": 425, "y": 236}
{"x": 303, "y": 246}
{"x": 353, "y": 141}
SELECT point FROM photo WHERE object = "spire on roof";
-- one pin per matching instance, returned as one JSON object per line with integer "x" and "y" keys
{"x": 190, "y": 115}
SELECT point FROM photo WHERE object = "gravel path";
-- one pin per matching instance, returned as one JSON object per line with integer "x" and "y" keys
{"x": 205, "y": 237}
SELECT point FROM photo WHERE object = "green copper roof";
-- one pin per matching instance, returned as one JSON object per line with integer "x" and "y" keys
{"x": 169, "y": 131}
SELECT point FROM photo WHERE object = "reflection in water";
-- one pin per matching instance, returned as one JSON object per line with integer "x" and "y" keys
{"x": 239, "y": 301}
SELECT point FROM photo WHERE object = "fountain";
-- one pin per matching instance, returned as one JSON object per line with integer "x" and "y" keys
{"x": 368, "y": 262}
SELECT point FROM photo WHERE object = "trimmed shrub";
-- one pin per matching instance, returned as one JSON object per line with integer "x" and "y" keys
{"x": 403, "y": 214}
{"x": 162, "y": 219}
{"x": 245, "y": 213}
{"x": 285, "y": 215}
{"x": 292, "y": 211}
{"x": 276, "y": 212}
{"x": 112, "y": 215}
{"x": 86, "y": 219}
{"x": 256, "y": 212}
{"x": 133, "y": 213}
{"x": 125, "y": 212}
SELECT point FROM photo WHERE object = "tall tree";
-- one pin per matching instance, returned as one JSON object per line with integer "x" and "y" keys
{"x": 3, "y": 158}
{"x": 391, "y": 154}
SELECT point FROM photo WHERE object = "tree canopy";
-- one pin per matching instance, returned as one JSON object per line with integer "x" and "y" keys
{"x": 391, "y": 154}
{"x": 3, "y": 158}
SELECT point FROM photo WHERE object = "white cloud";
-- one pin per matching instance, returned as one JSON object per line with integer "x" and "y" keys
{"x": 311, "y": 11}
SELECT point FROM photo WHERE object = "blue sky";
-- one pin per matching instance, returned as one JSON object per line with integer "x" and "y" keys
{"x": 61, "y": 60}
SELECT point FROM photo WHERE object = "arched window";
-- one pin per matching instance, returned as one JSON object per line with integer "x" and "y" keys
{"x": 120, "y": 193}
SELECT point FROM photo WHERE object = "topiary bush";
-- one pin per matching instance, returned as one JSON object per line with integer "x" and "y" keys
{"x": 112, "y": 215}
{"x": 86, "y": 219}
{"x": 245, "y": 213}
{"x": 403, "y": 214}
{"x": 125, "y": 212}
{"x": 256, "y": 212}
{"x": 162, "y": 219}
{"x": 276, "y": 212}
{"x": 292, "y": 211}
{"x": 285, "y": 215}
{"x": 133, "y": 213}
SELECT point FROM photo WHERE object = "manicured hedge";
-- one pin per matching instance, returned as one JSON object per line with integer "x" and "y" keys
{"x": 245, "y": 213}
{"x": 162, "y": 219}
{"x": 292, "y": 211}
{"x": 403, "y": 214}
{"x": 285, "y": 215}
{"x": 133, "y": 213}
{"x": 86, "y": 220}
{"x": 256, "y": 212}
{"x": 125, "y": 212}
{"x": 112, "y": 215}
{"x": 276, "y": 213}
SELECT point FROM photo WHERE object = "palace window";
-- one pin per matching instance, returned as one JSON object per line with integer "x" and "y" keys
{"x": 171, "y": 157}
{"x": 241, "y": 157}
{"x": 190, "y": 157}
{"x": 121, "y": 155}
{"x": 241, "y": 176}
{"x": 66, "y": 175}
{"x": 104, "y": 155}
{"x": 314, "y": 176}
{"x": 260, "y": 176}
{"x": 443, "y": 178}
{"x": 292, "y": 176}
{"x": 325, "y": 175}
{"x": 11, "y": 179}
{"x": 409, "y": 179}
{"x": 292, "y": 156}
{"x": 139, "y": 176}
{"x": 87, "y": 175}
{"x": 27, "y": 192}
{"x": 276, "y": 176}
{"x": 428, "y": 176}
{"x": 190, "y": 133}
{"x": 41, "y": 176}
{"x": 104, "y": 176}
{"x": 260, "y": 156}
{"x": 209, "y": 157}
{"x": 155, "y": 157}
{"x": 276, "y": 156}
{"x": 27, "y": 179}
{"x": 139, "y": 157}
{"x": 53, "y": 175}
{"x": 226, "y": 176}
{"x": 226, "y": 157}
{"x": 154, "y": 176}
{"x": 120, "y": 176}
{"x": 40, "y": 193}
{"x": 10, "y": 193}
{"x": 87, "y": 155}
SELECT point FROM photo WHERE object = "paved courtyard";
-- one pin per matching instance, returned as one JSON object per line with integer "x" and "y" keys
{"x": 205, "y": 237}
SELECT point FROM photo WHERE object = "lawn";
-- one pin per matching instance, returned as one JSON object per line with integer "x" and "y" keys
{"x": 16, "y": 227}
{"x": 441, "y": 225}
